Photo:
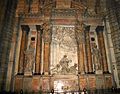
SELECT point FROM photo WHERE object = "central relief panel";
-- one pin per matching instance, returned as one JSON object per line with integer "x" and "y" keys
{"x": 64, "y": 58}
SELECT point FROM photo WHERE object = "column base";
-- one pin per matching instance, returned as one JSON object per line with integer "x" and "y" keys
{"x": 46, "y": 73}
{"x": 37, "y": 73}
{"x": 106, "y": 72}
{"x": 20, "y": 73}
{"x": 99, "y": 72}
{"x": 91, "y": 73}
{"x": 43, "y": 73}
{"x": 28, "y": 73}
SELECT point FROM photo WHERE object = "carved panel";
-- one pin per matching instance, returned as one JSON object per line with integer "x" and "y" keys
{"x": 27, "y": 84}
{"x": 92, "y": 82}
{"x": 45, "y": 84}
{"x": 64, "y": 83}
{"x": 63, "y": 43}
{"x": 83, "y": 82}
{"x": 36, "y": 84}
{"x": 18, "y": 83}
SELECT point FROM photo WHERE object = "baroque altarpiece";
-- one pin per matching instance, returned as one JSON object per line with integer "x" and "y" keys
{"x": 60, "y": 47}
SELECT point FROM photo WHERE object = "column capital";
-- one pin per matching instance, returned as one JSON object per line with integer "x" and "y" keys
{"x": 87, "y": 28}
{"x": 39, "y": 28}
{"x": 99, "y": 28}
{"x": 25, "y": 28}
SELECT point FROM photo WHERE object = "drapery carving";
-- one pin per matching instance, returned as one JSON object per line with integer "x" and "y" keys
{"x": 29, "y": 61}
{"x": 97, "y": 60}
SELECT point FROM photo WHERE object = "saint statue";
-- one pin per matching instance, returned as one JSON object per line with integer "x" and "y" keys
{"x": 96, "y": 58}
{"x": 29, "y": 58}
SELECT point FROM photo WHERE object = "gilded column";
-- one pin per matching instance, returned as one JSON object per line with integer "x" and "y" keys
{"x": 47, "y": 41}
{"x": 101, "y": 45}
{"x": 88, "y": 50}
{"x": 38, "y": 50}
{"x": 80, "y": 50}
{"x": 25, "y": 30}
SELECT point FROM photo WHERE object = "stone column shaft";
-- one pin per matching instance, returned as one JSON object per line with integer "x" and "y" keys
{"x": 47, "y": 41}
{"x": 88, "y": 50}
{"x": 38, "y": 51}
{"x": 80, "y": 50}
{"x": 46, "y": 57}
{"x": 101, "y": 45}
{"x": 81, "y": 59}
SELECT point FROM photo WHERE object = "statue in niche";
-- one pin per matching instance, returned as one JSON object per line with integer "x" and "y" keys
{"x": 96, "y": 58}
{"x": 29, "y": 59}
{"x": 64, "y": 62}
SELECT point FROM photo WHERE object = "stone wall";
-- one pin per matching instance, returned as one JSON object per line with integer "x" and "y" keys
{"x": 113, "y": 8}
{"x": 6, "y": 31}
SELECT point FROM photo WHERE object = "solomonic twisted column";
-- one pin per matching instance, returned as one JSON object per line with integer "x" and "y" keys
{"x": 88, "y": 50}
{"x": 47, "y": 41}
{"x": 38, "y": 50}
{"x": 101, "y": 45}
{"x": 24, "y": 39}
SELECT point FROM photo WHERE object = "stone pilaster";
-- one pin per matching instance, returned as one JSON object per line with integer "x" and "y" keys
{"x": 47, "y": 41}
{"x": 101, "y": 45}
{"x": 88, "y": 50}
{"x": 38, "y": 50}
{"x": 25, "y": 31}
